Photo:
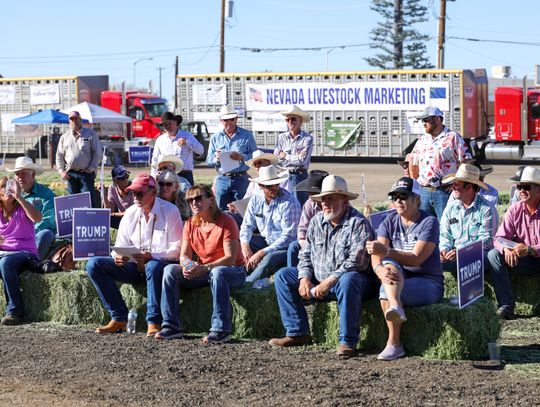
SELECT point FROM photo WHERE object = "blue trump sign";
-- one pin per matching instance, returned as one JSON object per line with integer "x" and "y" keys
{"x": 378, "y": 217}
{"x": 470, "y": 273}
{"x": 139, "y": 154}
{"x": 63, "y": 210}
{"x": 91, "y": 233}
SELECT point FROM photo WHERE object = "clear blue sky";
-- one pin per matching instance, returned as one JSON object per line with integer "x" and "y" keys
{"x": 60, "y": 38}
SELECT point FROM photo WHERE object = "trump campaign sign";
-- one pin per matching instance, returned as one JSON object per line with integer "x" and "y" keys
{"x": 63, "y": 210}
{"x": 470, "y": 273}
{"x": 91, "y": 233}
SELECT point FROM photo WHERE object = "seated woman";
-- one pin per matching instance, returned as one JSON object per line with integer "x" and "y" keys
{"x": 170, "y": 162}
{"x": 405, "y": 257}
{"x": 213, "y": 237}
{"x": 17, "y": 246}
{"x": 118, "y": 198}
{"x": 169, "y": 190}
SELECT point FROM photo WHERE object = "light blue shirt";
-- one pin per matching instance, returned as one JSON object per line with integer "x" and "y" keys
{"x": 297, "y": 150}
{"x": 242, "y": 141}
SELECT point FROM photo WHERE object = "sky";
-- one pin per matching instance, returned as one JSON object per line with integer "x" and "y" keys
{"x": 117, "y": 37}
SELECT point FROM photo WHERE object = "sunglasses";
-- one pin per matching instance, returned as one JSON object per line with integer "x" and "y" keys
{"x": 524, "y": 187}
{"x": 165, "y": 184}
{"x": 430, "y": 119}
{"x": 401, "y": 197}
{"x": 291, "y": 119}
{"x": 197, "y": 198}
{"x": 168, "y": 168}
{"x": 125, "y": 177}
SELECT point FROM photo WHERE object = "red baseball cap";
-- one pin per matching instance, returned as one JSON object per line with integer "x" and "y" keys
{"x": 141, "y": 182}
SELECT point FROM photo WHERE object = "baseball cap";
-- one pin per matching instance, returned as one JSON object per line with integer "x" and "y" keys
{"x": 430, "y": 111}
{"x": 141, "y": 182}
{"x": 405, "y": 185}
{"x": 119, "y": 171}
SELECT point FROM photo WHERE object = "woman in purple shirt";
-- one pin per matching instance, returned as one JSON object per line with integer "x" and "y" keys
{"x": 17, "y": 245}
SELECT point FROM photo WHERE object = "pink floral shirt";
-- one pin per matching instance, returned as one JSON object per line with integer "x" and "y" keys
{"x": 438, "y": 157}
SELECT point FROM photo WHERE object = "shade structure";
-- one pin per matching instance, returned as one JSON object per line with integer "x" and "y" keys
{"x": 97, "y": 114}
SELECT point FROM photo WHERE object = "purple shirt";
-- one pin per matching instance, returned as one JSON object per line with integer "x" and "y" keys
{"x": 309, "y": 210}
{"x": 521, "y": 226}
{"x": 18, "y": 232}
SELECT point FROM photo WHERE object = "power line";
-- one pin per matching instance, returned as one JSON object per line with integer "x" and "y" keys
{"x": 534, "y": 44}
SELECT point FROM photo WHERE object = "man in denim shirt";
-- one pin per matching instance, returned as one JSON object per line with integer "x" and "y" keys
{"x": 275, "y": 213}
{"x": 230, "y": 185}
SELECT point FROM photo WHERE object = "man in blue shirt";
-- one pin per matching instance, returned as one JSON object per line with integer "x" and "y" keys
{"x": 230, "y": 185}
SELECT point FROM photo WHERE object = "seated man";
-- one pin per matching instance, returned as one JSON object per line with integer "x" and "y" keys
{"x": 334, "y": 264}
{"x": 467, "y": 218}
{"x": 275, "y": 213}
{"x": 41, "y": 197}
{"x": 517, "y": 242}
{"x": 170, "y": 162}
{"x": 155, "y": 228}
{"x": 118, "y": 198}
{"x": 488, "y": 192}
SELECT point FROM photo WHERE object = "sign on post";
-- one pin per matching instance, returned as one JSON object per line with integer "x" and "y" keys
{"x": 63, "y": 210}
{"x": 91, "y": 233}
{"x": 470, "y": 273}
{"x": 139, "y": 154}
{"x": 378, "y": 217}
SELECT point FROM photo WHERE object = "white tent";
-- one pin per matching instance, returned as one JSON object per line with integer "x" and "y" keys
{"x": 97, "y": 114}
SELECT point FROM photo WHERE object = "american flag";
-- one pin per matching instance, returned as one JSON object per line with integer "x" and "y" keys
{"x": 255, "y": 95}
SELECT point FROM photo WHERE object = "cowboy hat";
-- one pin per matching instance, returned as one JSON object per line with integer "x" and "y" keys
{"x": 405, "y": 162}
{"x": 334, "y": 184}
{"x": 517, "y": 176}
{"x": 171, "y": 158}
{"x": 530, "y": 175}
{"x": 466, "y": 173}
{"x": 261, "y": 155}
{"x": 26, "y": 163}
{"x": 312, "y": 183}
{"x": 270, "y": 176}
{"x": 227, "y": 112}
{"x": 296, "y": 111}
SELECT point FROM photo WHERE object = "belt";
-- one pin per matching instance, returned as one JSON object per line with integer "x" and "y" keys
{"x": 439, "y": 188}
{"x": 235, "y": 174}
{"x": 297, "y": 171}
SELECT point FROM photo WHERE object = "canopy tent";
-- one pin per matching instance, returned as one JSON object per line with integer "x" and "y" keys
{"x": 46, "y": 116}
{"x": 97, "y": 114}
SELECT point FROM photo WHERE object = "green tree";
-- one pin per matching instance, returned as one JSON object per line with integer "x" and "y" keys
{"x": 399, "y": 44}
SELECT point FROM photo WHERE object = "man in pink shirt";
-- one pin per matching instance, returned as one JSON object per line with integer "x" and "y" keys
{"x": 517, "y": 242}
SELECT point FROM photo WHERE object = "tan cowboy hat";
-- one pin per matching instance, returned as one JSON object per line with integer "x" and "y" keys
{"x": 26, "y": 163}
{"x": 171, "y": 158}
{"x": 296, "y": 111}
{"x": 228, "y": 112}
{"x": 334, "y": 184}
{"x": 530, "y": 175}
{"x": 466, "y": 173}
{"x": 261, "y": 155}
{"x": 270, "y": 176}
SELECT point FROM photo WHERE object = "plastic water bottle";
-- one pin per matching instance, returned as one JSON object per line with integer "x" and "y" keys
{"x": 132, "y": 321}
{"x": 188, "y": 264}
{"x": 312, "y": 292}
{"x": 10, "y": 187}
{"x": 262, "y": 283}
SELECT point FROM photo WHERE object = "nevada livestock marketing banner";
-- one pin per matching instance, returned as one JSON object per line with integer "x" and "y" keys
{"x": 63, "y": 210}
{"x": 91, "y": 233}
{"x": 470, "y": 273}
{"x": 348, "y": 96}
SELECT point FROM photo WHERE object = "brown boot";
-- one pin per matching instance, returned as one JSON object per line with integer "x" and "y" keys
{"x": 345, "y": 351}
{"x": 153, "y": 329}
{"x": 291, "y": 341}
{"x": 113, "y": 327}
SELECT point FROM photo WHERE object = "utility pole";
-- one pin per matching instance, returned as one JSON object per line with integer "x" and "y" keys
{"x": 176, "y": 67}
{"x": 160, "y": 69}
{"x": 222, "y": 41}
{"x": 441, "y": 37}
{"x": 398, "y": 34}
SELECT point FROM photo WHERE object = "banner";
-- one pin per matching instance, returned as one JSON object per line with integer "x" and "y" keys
{"x": 7, "y": 121}
{"x": 211, "y": 119}
{"x": 209, "y": 95}
{"x": 348, "y": 96}
{"x": 44, "y": 94}
{"x": 268, "y": 121}
{"x": 139, "y": 154}
{"x": 63, "y": 210}
{"x": 7, "y": 95}
{"x": 91, "y": 233}
{"x": 378, "y": 217}
{"x": 470, "y": 273}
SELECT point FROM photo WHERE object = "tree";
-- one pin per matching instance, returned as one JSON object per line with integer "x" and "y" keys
{"x": 400, "y": 46}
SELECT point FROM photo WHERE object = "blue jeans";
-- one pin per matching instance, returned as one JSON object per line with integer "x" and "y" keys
{"x": 44, "y": 240}
{"x": 220, "y": 279}
{"x": 269, "y": 264}
{"x": 350, "y": 291}
{"x": 81, "y": 182}
{"x": 11, "y": 265}
{"x": 294, "y": 180}
{"x": 229, "y": 189}
{"x": 292, "y": 254}
{"x": 104, "y": 273}
{"x": 500, "y": 275}
{"x": 433, "y": 202}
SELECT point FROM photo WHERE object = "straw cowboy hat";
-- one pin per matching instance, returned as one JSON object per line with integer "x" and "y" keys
{"x": 227, "y": 112}
{"x": 530, "y": 175}
{"x": 26, "y": 163}
{"x": 261, "y": 155}
{"x": 296, "y": 111}
{"x": 334, "y": 184}
{"x": 466, "y": 173}
{"x": 171, "y": 158}
{"x": 270, "y": 176}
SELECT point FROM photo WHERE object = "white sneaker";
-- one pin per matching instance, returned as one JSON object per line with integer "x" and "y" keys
{"x": 395, "y": 314}
{"x": 391, "y": 352}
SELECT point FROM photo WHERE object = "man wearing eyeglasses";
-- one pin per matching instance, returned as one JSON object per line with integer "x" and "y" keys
{"x": 294, "y": 149}
{"x": 152, "y": 229}
{"x": 517, "y": 242}
{"x": 230, "y": 185}
{"x": 438, "y": 153}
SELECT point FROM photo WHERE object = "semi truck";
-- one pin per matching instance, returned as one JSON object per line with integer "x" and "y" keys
{"x": 357, "y": 114}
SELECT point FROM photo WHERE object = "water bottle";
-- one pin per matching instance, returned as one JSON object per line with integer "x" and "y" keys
{"x": 10, "y": 187}
{"x": 262, "y": 283}
{"x": 312, "y": 292}
{"x": 132, "y": 321}
{"x": 188, "y": 264}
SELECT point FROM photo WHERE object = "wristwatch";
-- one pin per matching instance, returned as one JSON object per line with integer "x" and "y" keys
{"x": 529, "y": 250}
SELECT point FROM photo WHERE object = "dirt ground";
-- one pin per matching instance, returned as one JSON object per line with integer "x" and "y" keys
{"x": 49, "y": 365}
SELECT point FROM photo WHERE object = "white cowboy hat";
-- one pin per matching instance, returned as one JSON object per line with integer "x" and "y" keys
{"x": 530, "y": 175}
{"x": 270, "y": 176}
{"x": 296, "y": 111}
{"x": 227, "y": 112}
{"x": 466, "y": 173}
{"x": 171, "y": 158}
{"x": 26, "y": 163}
{"x": 261, "y": 155}
{"x": 334, "y": 184}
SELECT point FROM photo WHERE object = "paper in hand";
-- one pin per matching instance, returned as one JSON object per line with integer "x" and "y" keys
{"x": 227, "y": 163}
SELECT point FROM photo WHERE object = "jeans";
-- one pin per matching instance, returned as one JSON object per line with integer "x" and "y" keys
{"x": 229, "y": 189}
{"x": 44, "y": 241}
{"x": 433, "y": 202}
{"x": 104, "y": 273}
{"x": 500, "y": 275}
{"x": 81, "y": 182}
{"x": 350, "y": 291}
{"x": 11, "y": 265}
{"x": 292, "y": 254}
{"x": 269, "y": 264}
{"x": 295, "y": 179}
{"x": 220, "y": 279}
